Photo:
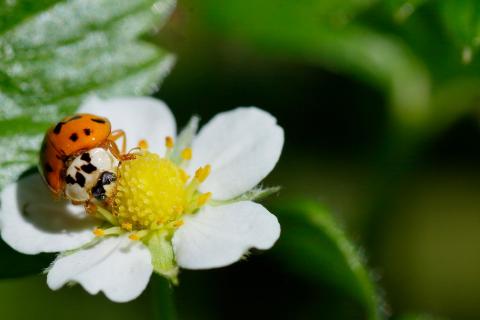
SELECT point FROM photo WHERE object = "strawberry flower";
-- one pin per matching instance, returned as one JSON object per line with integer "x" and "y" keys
{"x": 183, "y": 201}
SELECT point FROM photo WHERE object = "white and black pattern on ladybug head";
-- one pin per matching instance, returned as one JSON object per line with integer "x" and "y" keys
{"x": 105, "y": 185}
{"x": 84, "y": 171}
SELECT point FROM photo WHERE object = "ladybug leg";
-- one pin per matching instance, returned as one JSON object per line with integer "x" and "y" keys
{"x": 117, "y": 134}
{"x": 90, "y": 208}
{"x": 109, "y": 202}
{"x": 76, "y": 203}
{"x": 112, "y": 147}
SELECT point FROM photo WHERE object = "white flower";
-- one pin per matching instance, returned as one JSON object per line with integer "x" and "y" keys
{"x": 241, "y": 146}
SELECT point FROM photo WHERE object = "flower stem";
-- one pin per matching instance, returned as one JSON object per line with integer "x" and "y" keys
{"x": 162, "y": 299}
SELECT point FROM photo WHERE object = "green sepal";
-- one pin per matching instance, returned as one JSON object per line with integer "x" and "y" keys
{"x": 163, "y": 258}
{"x": 256, "y": 194}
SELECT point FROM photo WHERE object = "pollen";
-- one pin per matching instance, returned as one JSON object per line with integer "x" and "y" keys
{"x": 151, "y": 192}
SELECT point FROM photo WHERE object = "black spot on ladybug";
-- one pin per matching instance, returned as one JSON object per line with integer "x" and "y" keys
{"x": 87, "y": 131}
{"x": 58, "y": 128}
{"x": 48, "y": 167}
{"x": 88, "y": 168}
{"x": 74, "y": 137}
{"x": 74, "y": 118}
{"x": 107, "y": 177}
{"x": 97, "y": 120}
{"x": 86, "y": 157}
{"x": 98, "y": 191}
{"x": 69, "y": 180}
{"x": 80, "y": 179}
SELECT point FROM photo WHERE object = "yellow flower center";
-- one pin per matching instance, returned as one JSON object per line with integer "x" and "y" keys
{"x": 151, "y": 191}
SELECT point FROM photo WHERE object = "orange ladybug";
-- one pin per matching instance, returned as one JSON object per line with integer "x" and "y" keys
{"x": 79, "y": 157}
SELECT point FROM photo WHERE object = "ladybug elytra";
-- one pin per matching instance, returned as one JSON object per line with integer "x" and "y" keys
{"x": 77, "y": 155}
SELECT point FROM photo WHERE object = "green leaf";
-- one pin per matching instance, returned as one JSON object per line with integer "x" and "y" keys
{"x": 163, "y": 257}
{"x": 55, "y": 53}
{"x": 462, "y": 20}
{"x": 314, "y": 246}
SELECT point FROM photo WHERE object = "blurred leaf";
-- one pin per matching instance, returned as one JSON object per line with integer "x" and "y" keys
{"x": 53, "y": 54}
{"x": 418, "y": 317}
{"x": 14, "y": 264}
{"x": 298, "y": 29}
{"x": 72, "y": 303}
{"x": 338, "y": 12}
{"x": 455, "y": 98}
{"x": 314, "y": 246}
{"x": 462, "y": 20}
{"x": 403, "y": 9}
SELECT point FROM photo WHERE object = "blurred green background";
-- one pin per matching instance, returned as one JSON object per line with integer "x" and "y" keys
{"x": 379, "y": 101}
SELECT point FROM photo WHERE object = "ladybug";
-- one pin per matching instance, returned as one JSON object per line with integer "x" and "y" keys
{"x": 79, "y": 157}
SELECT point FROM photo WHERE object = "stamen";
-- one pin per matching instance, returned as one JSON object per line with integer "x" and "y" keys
{"x": 143, "y": 144}
{"x": 127, "y": 226}
{"x": 99, "y": 232}
{"x": 179, "y": 209}
{"x": 202, "y": 173}
{"x": 178, "y": 223}
{"x": 133, "y": 237}
{"x": 169, "y": 142}
{"x": 138, "y": 235}
{"x": 203, "y": 198}
{"x": 187, "y": 154}
{"x": 184, "y": 176}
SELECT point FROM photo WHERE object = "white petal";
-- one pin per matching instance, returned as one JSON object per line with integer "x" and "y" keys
{"x": 32, "y": 221}
{"x": 140, "y": 117}
{"x": 118, "y": 266}
{"x": 242, "y": 146}
{"x": 219, "y": 236}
